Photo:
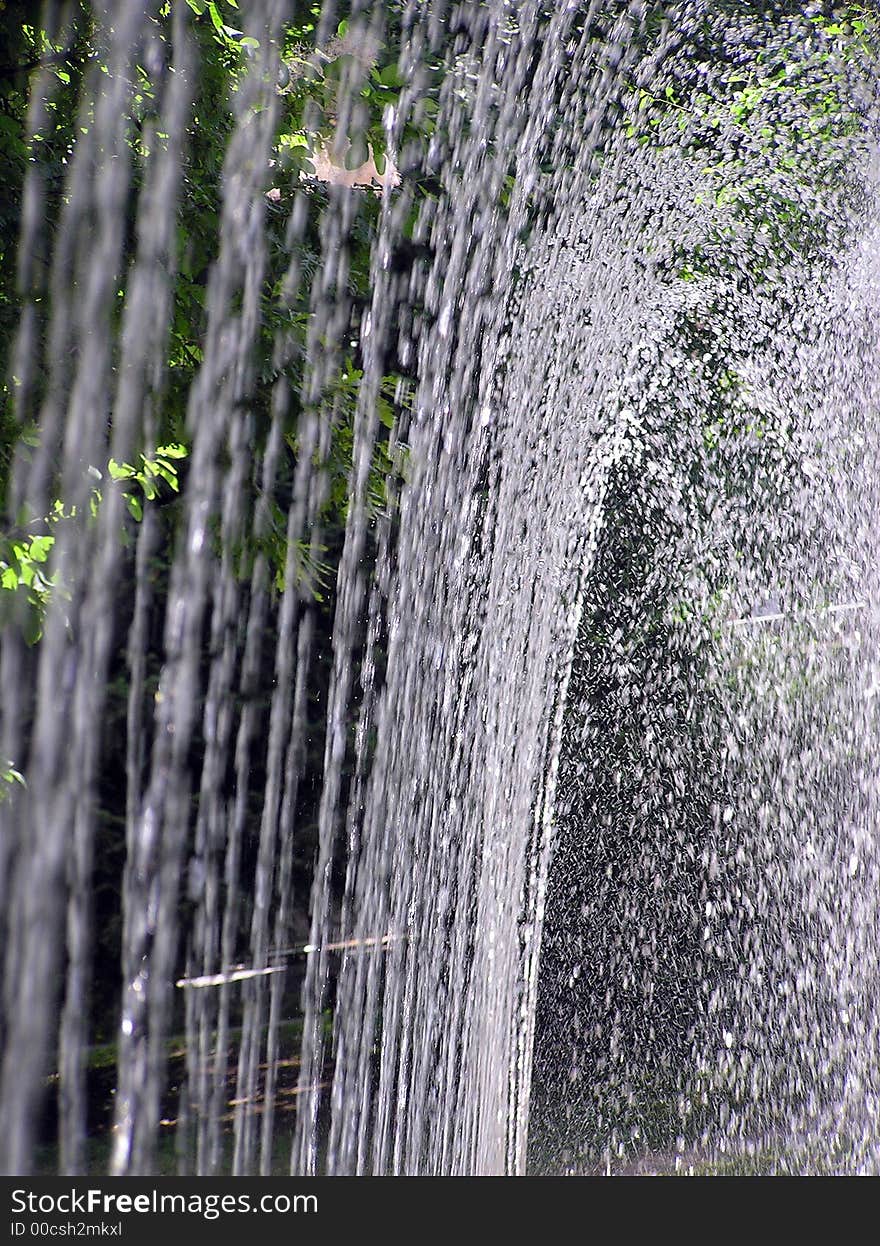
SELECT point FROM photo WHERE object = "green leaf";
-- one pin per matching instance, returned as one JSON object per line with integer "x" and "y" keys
{"x": 169, "y": 475}
{"x": 357, "y": 154}
{"x": 134, "y": 506}
{"x": 32, "y": 626}
{"x": 215, "y": 17}
{"x": 390, "y": 76}
{"x": 9, "y": 774}
{"x": 39, "y": 548}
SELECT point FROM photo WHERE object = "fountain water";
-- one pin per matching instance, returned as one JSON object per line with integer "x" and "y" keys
{"x": 591, "y": 839}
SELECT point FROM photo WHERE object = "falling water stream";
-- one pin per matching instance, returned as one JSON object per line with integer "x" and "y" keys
{"x": 593, "y": 857}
